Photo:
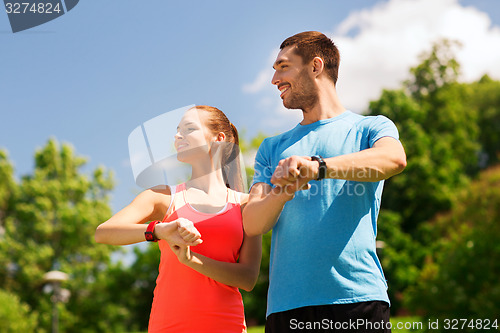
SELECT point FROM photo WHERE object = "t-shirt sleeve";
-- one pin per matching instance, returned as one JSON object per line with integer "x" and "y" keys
{"x": 380, "y": 127}
{"x": 262, "y": 167}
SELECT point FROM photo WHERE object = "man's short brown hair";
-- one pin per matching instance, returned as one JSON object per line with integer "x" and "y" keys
{"x": 310, "y": 44}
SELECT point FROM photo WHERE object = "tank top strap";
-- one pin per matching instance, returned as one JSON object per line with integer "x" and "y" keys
{"x": 235, "y": 197}
{"x": 178, "y": 198}
{"x": 174, "y": 198}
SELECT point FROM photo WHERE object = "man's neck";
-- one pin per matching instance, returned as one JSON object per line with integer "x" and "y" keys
{"x": 328, "y": 106}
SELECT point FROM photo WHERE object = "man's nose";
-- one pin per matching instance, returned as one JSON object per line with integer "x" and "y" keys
{"x": 275, "y": 79}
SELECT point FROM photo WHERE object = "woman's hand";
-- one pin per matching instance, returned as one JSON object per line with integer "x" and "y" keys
{"x": 188, "y": 232}
{"x": 182, "y": 252}
{"x": 180, "y": 232}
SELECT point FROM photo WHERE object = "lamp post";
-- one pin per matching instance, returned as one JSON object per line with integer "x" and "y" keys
{"x": 54, "y": 279}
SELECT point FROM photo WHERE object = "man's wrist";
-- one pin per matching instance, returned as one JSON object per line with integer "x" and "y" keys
{"x": 283, "y": 193}
{"x": 322, "y": 169}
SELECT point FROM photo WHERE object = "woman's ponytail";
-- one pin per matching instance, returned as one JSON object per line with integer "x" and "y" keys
{"x": 230, "y": 162}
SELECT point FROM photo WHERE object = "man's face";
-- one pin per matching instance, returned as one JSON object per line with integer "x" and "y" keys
{"x": 292, "y": 78}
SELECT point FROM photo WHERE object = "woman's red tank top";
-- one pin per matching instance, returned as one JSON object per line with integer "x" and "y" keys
{"x": 186, "y": 301}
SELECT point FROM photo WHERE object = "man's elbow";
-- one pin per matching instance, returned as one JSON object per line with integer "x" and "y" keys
{"x": 398, "y": 161}
{"x": 398, "y": 166}
{"x": 401, "y": 163}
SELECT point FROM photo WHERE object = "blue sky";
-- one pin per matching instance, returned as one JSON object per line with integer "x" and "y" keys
{"x": 91, "y": 76}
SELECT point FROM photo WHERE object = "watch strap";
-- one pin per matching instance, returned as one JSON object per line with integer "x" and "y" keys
{"x": 150, "y": 231}
{"x": 322, "y": 166}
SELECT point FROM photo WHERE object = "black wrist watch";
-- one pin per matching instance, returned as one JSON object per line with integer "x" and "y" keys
{"x": 322, "y": 166}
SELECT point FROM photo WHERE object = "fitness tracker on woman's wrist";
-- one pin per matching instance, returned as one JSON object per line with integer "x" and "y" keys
{"x": 150, "y": 232}
{"x": 322, "y": 166}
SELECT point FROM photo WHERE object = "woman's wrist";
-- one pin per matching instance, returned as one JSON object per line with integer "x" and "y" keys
{"x": 162, "y": 230}
{"x": 187, "y": 257}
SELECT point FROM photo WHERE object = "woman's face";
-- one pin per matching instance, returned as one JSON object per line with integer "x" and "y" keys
{"x": 193, "y": 138}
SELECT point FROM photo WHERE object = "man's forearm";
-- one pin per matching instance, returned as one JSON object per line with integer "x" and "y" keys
{"x": 369, "y": 165}
{"x": 262, "y": 212}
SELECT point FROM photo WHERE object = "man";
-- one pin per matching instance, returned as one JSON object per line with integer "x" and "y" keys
{"x": 318, "y": 187}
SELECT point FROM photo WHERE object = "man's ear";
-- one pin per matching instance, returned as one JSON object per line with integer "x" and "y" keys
{"x": 318, "y": 65}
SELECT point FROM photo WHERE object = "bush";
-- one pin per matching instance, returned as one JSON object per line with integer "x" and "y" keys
{"x": 14, "y": 315}
{"x": 460, "y": 279}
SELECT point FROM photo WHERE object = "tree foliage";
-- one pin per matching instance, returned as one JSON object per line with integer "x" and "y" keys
{"x": 48, "y": 221}
{"x": 450, "y": 131}
{"x": 440, "y": 133}
{"x": 460, "y": 276}
{"x": 15, "y": 316}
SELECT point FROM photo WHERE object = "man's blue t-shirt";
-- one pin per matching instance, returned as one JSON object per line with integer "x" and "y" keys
{"x": 323, "y": 244}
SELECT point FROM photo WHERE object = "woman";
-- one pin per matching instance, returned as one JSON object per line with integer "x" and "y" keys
{"x": 205, "y": 255}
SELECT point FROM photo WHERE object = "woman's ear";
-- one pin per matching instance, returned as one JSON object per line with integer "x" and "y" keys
{"x": 220, "y": 137}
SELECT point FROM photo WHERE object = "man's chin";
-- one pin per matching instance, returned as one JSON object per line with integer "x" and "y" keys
{"x": 291, "y": 107}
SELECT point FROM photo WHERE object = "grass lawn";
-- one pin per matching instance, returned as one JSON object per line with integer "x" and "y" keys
{"x": 402, "y": 322}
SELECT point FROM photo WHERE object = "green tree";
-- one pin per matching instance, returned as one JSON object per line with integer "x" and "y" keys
{"x": 483, "y": 96}
{"x": 440, "y": 133}
{"x": 437, "y": 69}
{"x": 460, "y": 276}
{"x": 400, "y": 256}
{"x": 49, "y": 223}
{"x": 133, "y": 285}
{"x": 450, "y": 131}
{"x": 256, "y": 301}
{"x": 15, "y": 317}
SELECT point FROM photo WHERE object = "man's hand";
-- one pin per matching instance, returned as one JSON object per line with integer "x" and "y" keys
{"x": 294, "y": 173}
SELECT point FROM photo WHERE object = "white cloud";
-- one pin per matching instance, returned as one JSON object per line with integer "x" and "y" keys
{"x": 392, "y": 35}
{"x": 378, "y": 46}
{"x": 263, "y": 80}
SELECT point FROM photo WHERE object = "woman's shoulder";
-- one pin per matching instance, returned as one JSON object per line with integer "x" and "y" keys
{"x": 159, "y": 194}
{"x": 159, "y": 190}
{"x": 243, "y": 197}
